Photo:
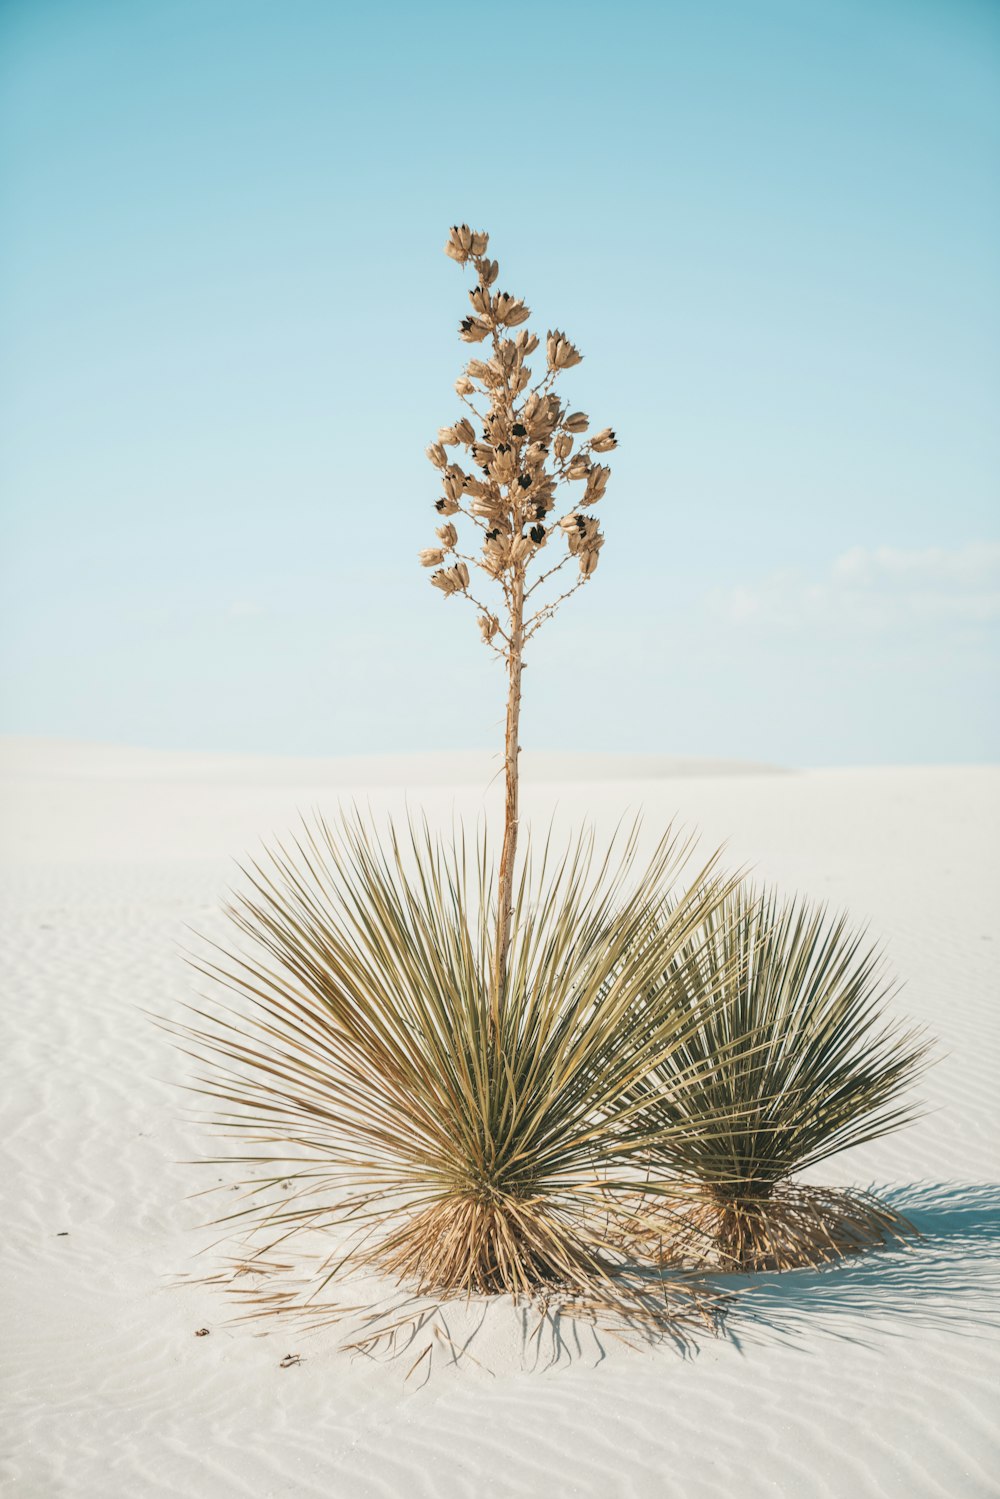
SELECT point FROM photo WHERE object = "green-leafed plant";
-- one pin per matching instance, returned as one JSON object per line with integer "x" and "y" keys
{"x": 504, "y": 1077}
{"x": 797, "y": 1052}
{"x": 462, "y": 1145}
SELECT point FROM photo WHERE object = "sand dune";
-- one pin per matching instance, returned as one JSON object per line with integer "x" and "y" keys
{"x": 878, "y": 1378}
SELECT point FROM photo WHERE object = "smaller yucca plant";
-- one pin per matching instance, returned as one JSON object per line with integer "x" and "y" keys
{"x": 796, "y": 1051}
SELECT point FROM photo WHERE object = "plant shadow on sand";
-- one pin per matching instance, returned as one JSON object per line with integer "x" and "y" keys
{"x": 948, "y": 1279}
{"x": 503, "y": 1334}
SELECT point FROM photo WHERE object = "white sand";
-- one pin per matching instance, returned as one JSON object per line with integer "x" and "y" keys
{"x": 877, "y": 1378}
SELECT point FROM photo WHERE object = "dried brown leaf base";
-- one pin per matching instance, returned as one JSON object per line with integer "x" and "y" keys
{"x": 465, "y": 1247}
{"x": 490, "y": 1245}
{"x": 793, "y": 1226}
{"x": 403, "y": 1298}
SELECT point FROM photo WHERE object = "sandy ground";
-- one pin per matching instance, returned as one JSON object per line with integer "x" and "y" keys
{"x": 880, "y": 1377}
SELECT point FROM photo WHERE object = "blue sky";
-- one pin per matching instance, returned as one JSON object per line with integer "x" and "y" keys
{"x": 229, "y": 331}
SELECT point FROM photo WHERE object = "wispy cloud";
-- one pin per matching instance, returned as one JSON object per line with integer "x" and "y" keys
{"x": 880, "y": 588}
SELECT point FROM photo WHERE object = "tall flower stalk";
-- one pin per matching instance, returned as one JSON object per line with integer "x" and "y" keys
{"x": 522, "y": 444}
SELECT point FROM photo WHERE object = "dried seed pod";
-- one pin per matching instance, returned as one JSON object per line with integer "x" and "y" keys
{"x": 459, "y": 243}
{"x": 478, "y": 244}
{"x": 488, "y": 272}
{"x": 540, "y": 415}
{"x": 495, "y": 555}
{"x": 597, "y": 483}
{"x": 508, "y": 355}
{"x": 437, "y": 455}
{"x": 488, "y": 626}
{"x": 588, "y": 563}
{"x": 446, "y": 437}
{"x": 472, "y": 330}
{"x": 581, "y": 531}
{"x": 563, "y": 445}
{"x": 527, "y": 342}
{"x": 431, "y": 557}
{"x": 604, "y": 441}
{"x": 447, "y": 506}
{"x": 476, "y": 370}
{"x": 454, "y": 481}
{"x": 577, "y": 421}
{"x": 509, "y": 311}
{"x": 578, "y": 467}
{"x": 465, "y": 432}
{"x": 561, "y": 354}
{"x": 452, "y": 579}
{"x": 464, "y": 386}
{"x": 543, "y": 494}
{"x": 480, "y": 299}
{"x": 448, "y": 535}
{"x": 503, "y": 465}
{"x": 486, "y": 507}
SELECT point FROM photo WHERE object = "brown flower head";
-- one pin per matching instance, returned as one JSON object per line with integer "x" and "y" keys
{"x": 452, "y": 579}
{"x": 509, "y": 311}
{"x": 523, "y": 446}
{"x": 454, "y": 481}
{"x": 597, "y": 483}
{"x": 463, "y": 243}
{"x": 561, "y": 354}
{"x": 473, "y": 330}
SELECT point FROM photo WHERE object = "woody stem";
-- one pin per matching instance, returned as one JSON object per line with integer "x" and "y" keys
{"x": 505, "y": 892}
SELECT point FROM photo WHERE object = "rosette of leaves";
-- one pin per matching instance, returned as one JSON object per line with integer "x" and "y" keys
{"x": 348, "y": 1034}
{"x": 798, "y": 1051}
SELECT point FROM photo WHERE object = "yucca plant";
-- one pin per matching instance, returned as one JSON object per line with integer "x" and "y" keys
{"x": 797, "y": 1052}
{"x": 445, "y": 1049}
{"x": 396, "y": 1114}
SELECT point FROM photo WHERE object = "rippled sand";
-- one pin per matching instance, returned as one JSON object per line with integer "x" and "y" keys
{"x": 879, "y": 1378}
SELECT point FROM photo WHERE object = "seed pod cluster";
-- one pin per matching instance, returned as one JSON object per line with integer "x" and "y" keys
{"x": 520, "y": 442}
